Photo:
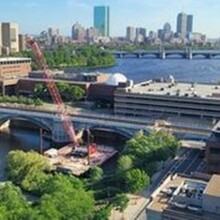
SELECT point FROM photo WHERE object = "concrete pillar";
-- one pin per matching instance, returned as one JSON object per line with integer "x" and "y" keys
{"x": 59, "y": 135}
{"x": 190, "y": 54}
{"x": 163, "y": 54}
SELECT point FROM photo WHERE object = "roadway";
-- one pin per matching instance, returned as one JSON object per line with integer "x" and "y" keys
{"x": 190, "y": 160}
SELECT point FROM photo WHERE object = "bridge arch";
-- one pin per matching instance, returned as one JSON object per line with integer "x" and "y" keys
{"x": 39, "y": 122}
{"x": 125, "y": 133}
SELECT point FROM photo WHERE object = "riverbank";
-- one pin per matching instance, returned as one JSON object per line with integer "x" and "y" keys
{"x": 86, "y": 68}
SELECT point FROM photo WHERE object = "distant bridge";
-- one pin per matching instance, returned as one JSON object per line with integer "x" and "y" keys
{"x": 163, "y": 54}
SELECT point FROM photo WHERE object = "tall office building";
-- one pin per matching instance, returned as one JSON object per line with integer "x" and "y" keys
{"x": 101, "y": 19}
{"x": 189, "y": 26}
{"x": 53, "y": 32}
{"x": 10, "y": 41}
{"x": 78, "y": 33}
{"x": 131, "y": 34}
{"x": 181, "y": 24}
{"x": 184, "y": 24}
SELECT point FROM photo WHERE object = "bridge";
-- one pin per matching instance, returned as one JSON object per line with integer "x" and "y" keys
{"x": 164, "y": 54}
{"x": 47, "y": 118}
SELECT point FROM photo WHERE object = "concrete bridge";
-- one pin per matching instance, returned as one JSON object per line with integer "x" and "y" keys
{"x": 163, "y": 54}
{"x": 46, "y": 118}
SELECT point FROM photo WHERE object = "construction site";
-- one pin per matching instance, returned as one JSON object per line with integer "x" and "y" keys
{"x": 75, "y": 158}
{"x": 79, "y": 160}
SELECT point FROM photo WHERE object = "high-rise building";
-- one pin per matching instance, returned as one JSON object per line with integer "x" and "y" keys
{"x": 141, "y": 34}
{"x": 167, "y": 27}
{"x": 22, "y": 42}
{"x": 130, "y": 34}
{"x": 182, "y": 24}
{"x": 91, "y": 34}
{"x": 78, "y": 33}
{"x": 53, "y": 32}
{"x": 189, "y": 26}
{"x": 101, "y": 19}
{"x": 10, "y": 39}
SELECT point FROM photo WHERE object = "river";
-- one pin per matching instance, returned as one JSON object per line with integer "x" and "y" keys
{"x": 17, "y": 138}
{"x": 197, "y": 70}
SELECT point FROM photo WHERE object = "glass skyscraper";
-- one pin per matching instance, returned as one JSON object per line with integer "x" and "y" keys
{"x": 101, "y": 19}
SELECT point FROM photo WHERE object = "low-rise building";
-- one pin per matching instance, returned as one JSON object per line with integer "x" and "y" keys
{"x": 11, "y": 69}
{"x": 168, "y": 98}
{"x": 186, "y": 198}
{"x": 213, "y": 150}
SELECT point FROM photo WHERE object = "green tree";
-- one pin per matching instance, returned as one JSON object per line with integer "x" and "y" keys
{"x": 96, "y": 174}
{"x": 77, "y": 93}
{"x": 124, "y": 163}
{"x": 27, "y": 169}
{"x": 120, "y": 202}
{"x": 66, "y": 198}
{"x": 13, "y": 205}
{"x": 102, "y": 214}
{"x": 136, "y": 180}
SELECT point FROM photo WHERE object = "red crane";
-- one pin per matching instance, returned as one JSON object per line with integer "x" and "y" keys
{"x": 61, "y": 110}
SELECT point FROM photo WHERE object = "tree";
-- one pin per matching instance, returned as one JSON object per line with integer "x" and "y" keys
{"x": 96, "y": 174}
{"x": 135, "y": 180}
{"x": 125, "y": 163}
{"x": 13, "y": 205}
{"x": 66, "y": 198}
{"x": 102, "y": 214}
{"x": 27, "y": 169}
{"x": 77, "y": 93}
{"x": 120, "y": 202}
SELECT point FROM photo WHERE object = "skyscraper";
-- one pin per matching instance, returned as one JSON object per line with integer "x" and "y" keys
{"x": 189, "y": 26}
{"x": 101, "y": 19}
{"x": 181, "y": 24}
{"x": 184, "y": 24}
{"x": 130, "y": 34}
{"x": 78, "y": 33}
{"x": 10, "y": 37}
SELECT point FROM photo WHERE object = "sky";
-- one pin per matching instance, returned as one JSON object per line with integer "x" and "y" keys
{"x": 33, "y": 16}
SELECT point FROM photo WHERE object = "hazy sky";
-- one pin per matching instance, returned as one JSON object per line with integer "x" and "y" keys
{"x": 34, "y": 16}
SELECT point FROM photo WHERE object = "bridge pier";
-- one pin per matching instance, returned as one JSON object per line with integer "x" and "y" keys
{"x": 190, "y": 55}
{"x": 59, "y": 135}
{"x": 162, "y": 55}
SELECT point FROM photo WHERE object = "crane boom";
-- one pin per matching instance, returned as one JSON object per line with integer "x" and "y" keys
{"x": 57, "y": 99}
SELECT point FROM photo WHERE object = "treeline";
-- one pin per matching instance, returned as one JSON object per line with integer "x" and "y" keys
{"x": 68, "y": 92}
{"x": 21, "y": 100}
{"x": 73, "y": 56}
{"x": 51, "y": 195}
{"x": 139, "y": 161}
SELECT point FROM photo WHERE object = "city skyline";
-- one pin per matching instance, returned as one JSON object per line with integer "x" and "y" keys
{"x": 34, "y": 16}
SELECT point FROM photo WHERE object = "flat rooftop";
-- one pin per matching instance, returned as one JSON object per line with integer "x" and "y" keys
{"x": 213, "y": 187}
{"x": 184, "y": 194}
{"x": 177, "y": 89}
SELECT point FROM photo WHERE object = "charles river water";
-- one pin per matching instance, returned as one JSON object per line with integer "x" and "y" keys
{"x": 197, "y": 70}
